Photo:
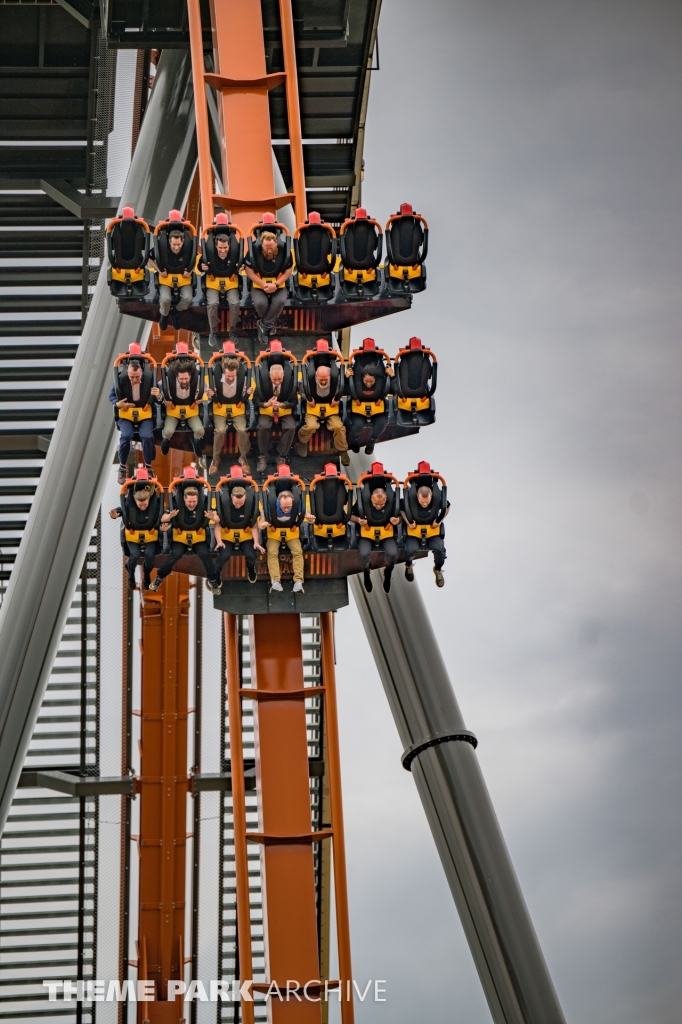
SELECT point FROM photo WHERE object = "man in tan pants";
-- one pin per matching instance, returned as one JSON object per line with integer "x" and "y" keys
{"x": 285, "y": 504}
{"x": 332, "y": 420}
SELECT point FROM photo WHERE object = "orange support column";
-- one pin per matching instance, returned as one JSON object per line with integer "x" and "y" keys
{"x": 289, "y": 908}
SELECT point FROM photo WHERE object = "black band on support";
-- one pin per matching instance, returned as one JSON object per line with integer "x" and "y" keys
{"x": 463, "y": 736}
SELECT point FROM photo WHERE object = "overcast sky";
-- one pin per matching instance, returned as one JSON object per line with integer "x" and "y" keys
{"x": 541, "y": 139}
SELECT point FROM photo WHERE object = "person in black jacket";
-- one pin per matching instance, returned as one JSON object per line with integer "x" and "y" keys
{"x": 370, "y": 393}
{"x": 374, "y": 523}
{"x": 222, "y": 262}
{"x": 176, "y": 264}
{"x": 269, "y": 270}
{"x": 132, "y": 399}
{"x": 184, "y": 520}
{"x": 142, "y": 519}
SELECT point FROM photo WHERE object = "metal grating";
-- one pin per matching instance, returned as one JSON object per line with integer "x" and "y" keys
{"x": 228, "y": 939}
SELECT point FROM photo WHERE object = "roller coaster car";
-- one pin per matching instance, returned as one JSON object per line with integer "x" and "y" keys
{"x": 130, "y": 529}
{"x": 378, "y": 529}
{"x": 428, "y": 520}
{"x": 223, "y": 271}
{"x": 322, "y": 355}
{"x": 407, "y": 243}
{"x": 175, "y": 270}
{"x": 215, "y": 382}
{"x": 237, "y": 529}
{"x": 331, "y": 503}
{"x": 416, "y": 373}
{"x": 360, "y": 359}
{"x": 360, "y": 242}
{"x": 198, "y": 532}
{"x": 289, "y": 528}
{"x": 315, "y": 247}
{"x": 144, "y": 410}
{"x": 128, "y": 241}
{"x": 182, "y": 408}
{"x": 255, "y": 245}
{"x": 273, "y": 356}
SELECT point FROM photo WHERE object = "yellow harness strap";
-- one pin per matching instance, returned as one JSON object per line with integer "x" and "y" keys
{"x": 368, "y": 408}
{"x": 359, "y": 276}
{"x": 182, "y": 412}
{"x": 330, "y": 530}
{"x": 271, "y": 412}
{"x": 232, "y": 536}
{"x": 404, "y": 273}
{"x": 279, "y": 533}
{"x": 424, "y": 531}
{"x": 267, "y": 280}
{"x": 377, "y": 533}
{"x": 229, "y": 410}
{"x": 136, "y": 415}
{"x": 127, "y": 276}
{"x": 314, "y": 280}
{"x": 222, "y": 284}
{"x": 175, "y": 280}
{"x": 414, "y": 404}
{"x": 320, "y": 410}
{"x": 189, "y": 536}
{"x": 141, "y": 536}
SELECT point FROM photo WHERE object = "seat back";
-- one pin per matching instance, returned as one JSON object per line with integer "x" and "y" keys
{"x": 170, "y": 369}
{"x": 176, "y": 501}
{"x": 366, "y": 356}
{"x": 187, "y": 255}
{"x": 369, "y": 482}
{"x": 425, "y": 477}
{"x": 273, "y": 487}
{"x": 361, "y": 242}
{"x": 129, "y": 509}
{"x": 249, "y": 511}
{"x": 229, "y": 266}
{"x": 121, "y": 386}
{"x": 315, "y": 248}
{"x": 255, "y": 244}
{"x": 262, "y": 382}
{"x": 215, "y": 371}
{"x": 330, "y": 500}
{"x": 406, "y": 238}
{"x": 128, "y": 241}
{"x": 321, "y": 355}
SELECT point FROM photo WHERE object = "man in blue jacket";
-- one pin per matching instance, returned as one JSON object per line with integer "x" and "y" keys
{"x": 127, "y": 419}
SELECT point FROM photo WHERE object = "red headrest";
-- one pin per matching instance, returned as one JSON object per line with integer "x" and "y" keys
{"x": 221, "y": 218}
{"x": 141, "y": 473}
{"x": 321, "y": 345}
{"x": 330, "y": 469}
{"x": 229, "y": 349}
{"x": 175, "y": 215}
{"x": 361, "y": 213}
{"x": 424, "y": 467}
{"x": 190, "y": 472}
{"x": 275, "y": 346}
{"x": 268, "y": 218}
{"x": 236, "y": 472}
{"x": 377, "y": 469}
{"x": 406, "y": 210}
{"x": 134, "y": 349}
{"x": 368, "y": 345}
{"x": 314, "y": 218}
{"x": 128, "y": 213}
{"x": 415, "y": 343}
{"x": 181, "y": 348}
{"x": 284, "y": 471}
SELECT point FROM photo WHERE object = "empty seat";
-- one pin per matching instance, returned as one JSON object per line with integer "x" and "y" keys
{"x": 416, "y": 372}
{"x": 315, "y": 247}
{"x": 331, "y": 504}
{"x": 407, "y": 243}
{"x": 128, "y": 242}
{"x": 360, "y": 243}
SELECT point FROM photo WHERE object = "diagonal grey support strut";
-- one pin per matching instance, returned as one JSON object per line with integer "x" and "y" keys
{"x": 79, "y": 457}
{"x": 441, "y": 754}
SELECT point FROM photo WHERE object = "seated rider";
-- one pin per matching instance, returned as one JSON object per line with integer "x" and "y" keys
{"x": 237, "y": 517}
{"x": 232, "y": 390}
{"x": 321, "y": 392}
{"x": 268, "y": 265}
{"x": 282, "y": 517}
{"x": 275, "y": 397}
{"x": 221, "y": 259}
{"x": 424, "y": 506}
{"x": 182, "y": 392}
{"x": 133, "y": 409}
{"x": 140, "y": 533}
{"x": 369, "y": 382}
{"x": 188, "y": 519}
{"x": 173, "y": 257}
{"x": 378, "y": 517}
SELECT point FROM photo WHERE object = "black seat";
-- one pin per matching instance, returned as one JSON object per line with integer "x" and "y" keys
{"x": 416, "y": 372}
{"x": 131, "y": 531}
{"x": 378, "y": 526}
{"x": 199, "y": 531}
{"x": 407, "y": 243}
{"x": 175, "y": 270}
{"x": 146, "y": 407}
{"x": 222, "y": 274}
{"x": 272, "y": 487}
{"x": 322, "y": 355}
{"x": 255, "y": 244}
{"x": 360, "y": 242}
{"x": 182, "y": 408}
{"x": 429, "y": 521}
{"x": 128, "y": 242}
{"x": 239, "y": 530}
{"x": 242, "y": 407}
{"x": 315, "y": 252}
{"x": 361, "y": 358}
{"x": 273, "y": 355}
{"x": 331, "y": 504}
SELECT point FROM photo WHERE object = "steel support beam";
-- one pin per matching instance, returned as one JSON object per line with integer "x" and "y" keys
{"x": 441, "y": 754}
{"x": 79, "y": 458}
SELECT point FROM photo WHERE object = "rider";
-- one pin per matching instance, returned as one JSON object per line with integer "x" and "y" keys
{"x": 321, "y": 395}
{"x": 177, "y": 264}
{"x": 424, "y": 506}
{"x": 378, "y": 520}
{"x": 238, "y": 522}
{"x": 141, "y": 522}
{"x": 226, "y": 395}
{"x": 269, "y": 270}
{"x": 222, "y": 277}
{"x": 369, "y": 373}
{"x": 185, "y": 391}
{"x": 275, "y": 398}
{"x": 130, "y": 385}
{"x": 282, "y": 517}
{"x": 188, "y": 526}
